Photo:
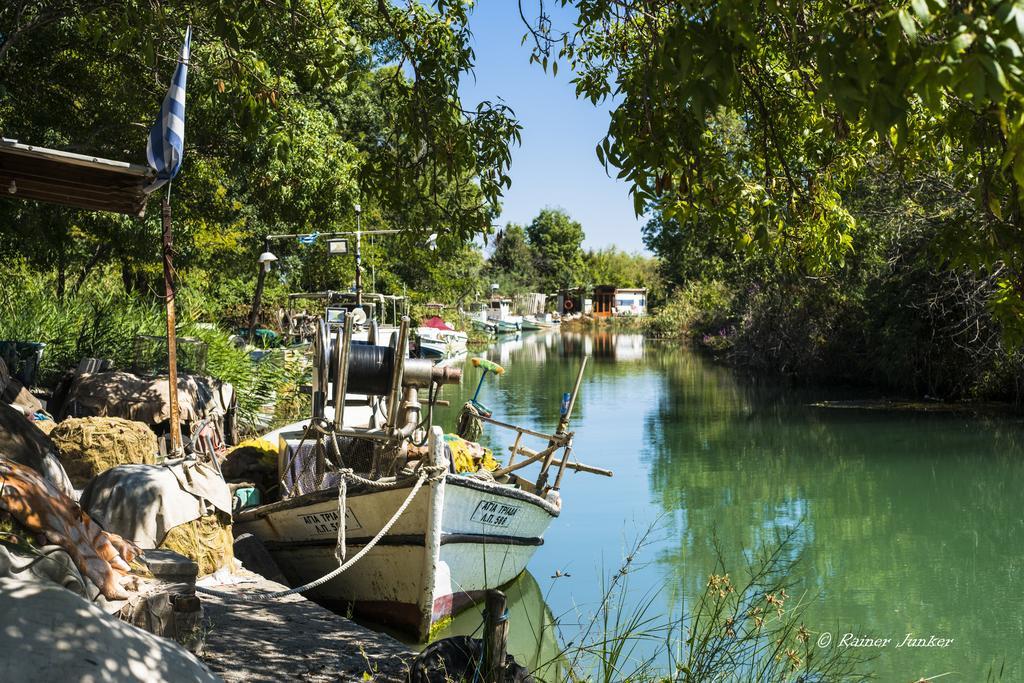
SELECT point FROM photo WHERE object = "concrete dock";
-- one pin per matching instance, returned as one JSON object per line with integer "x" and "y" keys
{"x": 293, "y": 638}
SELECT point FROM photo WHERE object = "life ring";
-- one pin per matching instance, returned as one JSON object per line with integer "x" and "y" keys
{"x": 569, "y": 304}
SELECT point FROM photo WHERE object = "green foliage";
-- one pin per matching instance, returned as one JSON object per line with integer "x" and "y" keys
{"x": 295, "y": 112}
{"x": 612, "y": 266}
{"x": 556, "y": 241}
{"x": 701, "y": 309}
{"x": 97, "y": 323}
{"x": 547, "y": 256}
{"x": 513, "y": 261}
{"x": 753, "y": 123}
{"x": 271, "y": 383}
{"x": 898, "y": 316}
{"x": 100, "y": 321}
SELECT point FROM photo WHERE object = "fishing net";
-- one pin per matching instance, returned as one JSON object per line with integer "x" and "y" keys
{"x": 90, "y": 445}
{"x": 207, "y": 540}
{"x": 468, "y": 456}
{"x": 470, "y": 426}
{"x": 253, "y": 461}
{"x": 46, "y": 426}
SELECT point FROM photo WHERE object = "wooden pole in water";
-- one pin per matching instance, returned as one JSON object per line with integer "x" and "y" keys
{"x": 172, "y": 342}
{"x": 495, "y": 637}
{"x": 563, "y": 424}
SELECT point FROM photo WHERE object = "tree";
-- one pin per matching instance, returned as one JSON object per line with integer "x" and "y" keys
{"x": 295, "y": 112}
{"x": 556, "y": 240}
{"x": 754, "y": 121}
{"x": 615, "y": 267}
{"x": 513, "y": 261}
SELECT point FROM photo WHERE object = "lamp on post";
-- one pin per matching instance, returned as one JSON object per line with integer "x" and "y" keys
{"x": 265, "y": 261}
{"x": 359, "y": 255}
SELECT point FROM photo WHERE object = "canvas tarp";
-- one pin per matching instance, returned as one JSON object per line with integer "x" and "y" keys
{"x": 14, "y": 392}
{"x": 51, "y": 634}
{"x": 23, "y": 443}
{"x": 122, "y": 394}
{"x": 142, "y": 503}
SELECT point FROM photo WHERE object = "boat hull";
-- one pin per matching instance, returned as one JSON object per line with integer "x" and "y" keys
{"x": 443, "y": 345}
{"x": 458, "y": 538}
{"x": 505, "y": 326}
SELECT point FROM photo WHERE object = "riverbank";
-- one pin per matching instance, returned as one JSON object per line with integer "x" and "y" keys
{"x": 814, "y": 332}
{"x": 293, "y": 638}
{"x": 707, "y": 320}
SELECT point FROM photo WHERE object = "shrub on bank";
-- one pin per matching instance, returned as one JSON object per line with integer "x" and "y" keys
{"x": 899, "y": 325}
{"x": 696, "y": 310}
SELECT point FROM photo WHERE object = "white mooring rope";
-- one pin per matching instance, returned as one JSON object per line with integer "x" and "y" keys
{"x": 425, "y": 473}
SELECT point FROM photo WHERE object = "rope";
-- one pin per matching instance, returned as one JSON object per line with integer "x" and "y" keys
{"x": 425, "y": 474}
{"x": 340, "y": 550}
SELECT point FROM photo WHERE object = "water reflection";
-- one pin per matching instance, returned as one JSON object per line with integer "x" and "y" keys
{"x": 532, "y": 637}
{"x": 909, "y": 523}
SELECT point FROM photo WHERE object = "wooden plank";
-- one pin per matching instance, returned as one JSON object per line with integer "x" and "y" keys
{"x": 534, "y": 457}
{"x": 571, "y": 464}
{"x": 561, "y": 438}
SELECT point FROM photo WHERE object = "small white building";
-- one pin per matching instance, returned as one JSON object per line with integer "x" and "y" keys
{"x": 630, "y": 301}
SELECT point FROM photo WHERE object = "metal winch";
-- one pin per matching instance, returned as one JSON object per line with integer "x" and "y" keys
{"x": 343, "y": 366}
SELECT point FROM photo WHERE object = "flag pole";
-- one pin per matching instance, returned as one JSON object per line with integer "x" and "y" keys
{"x": 172, "y": 342}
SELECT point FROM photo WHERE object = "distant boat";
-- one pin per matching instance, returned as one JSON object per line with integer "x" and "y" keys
{"x": 437, "y": 339}
{"x": 499, "y": 312}
{"x": 484, "y": 325}
{"x": 531, "y": 322}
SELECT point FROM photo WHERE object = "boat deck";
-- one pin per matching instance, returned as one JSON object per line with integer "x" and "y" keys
{"x": 293, "y": 639}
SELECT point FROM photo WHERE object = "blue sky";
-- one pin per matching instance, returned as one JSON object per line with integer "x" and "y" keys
{"x": 556, "y": 165}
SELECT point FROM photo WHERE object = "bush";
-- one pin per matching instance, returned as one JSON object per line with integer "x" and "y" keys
{"x": 698, "y": 309}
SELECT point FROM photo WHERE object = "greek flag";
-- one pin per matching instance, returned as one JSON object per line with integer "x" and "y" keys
{"x": 309, "y": 239}
{"x": 166, "y": 142}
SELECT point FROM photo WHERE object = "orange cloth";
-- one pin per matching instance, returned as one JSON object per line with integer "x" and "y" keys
{"x": 41, "y": 508}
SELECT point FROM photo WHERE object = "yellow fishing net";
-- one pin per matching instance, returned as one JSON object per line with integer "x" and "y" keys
{"x": 469, "y": 456}
{"x": 91, "y": 445}
{"x": 207, "y": 540}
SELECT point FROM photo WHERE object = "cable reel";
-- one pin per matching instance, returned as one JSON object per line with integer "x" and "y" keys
{"x": 371, "y": 369}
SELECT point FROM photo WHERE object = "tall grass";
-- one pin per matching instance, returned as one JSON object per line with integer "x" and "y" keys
{"x": 744, "y": 627}
{"x": 102, "y": 321}
{"x": 99, "y": 321}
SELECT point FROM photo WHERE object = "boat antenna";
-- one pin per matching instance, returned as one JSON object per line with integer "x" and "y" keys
{"x": 359, "y": 256}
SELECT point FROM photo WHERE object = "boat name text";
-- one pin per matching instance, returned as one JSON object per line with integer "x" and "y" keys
{"x": 494, "y": 513}
{"x": 327, "y": 522}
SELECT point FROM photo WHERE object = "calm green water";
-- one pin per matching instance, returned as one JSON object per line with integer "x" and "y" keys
{"x": 908, "y": 523}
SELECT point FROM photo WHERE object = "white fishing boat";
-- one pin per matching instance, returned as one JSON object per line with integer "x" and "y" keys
{"x": 386, "y": 509}
{"x": 436, "y": 339}
{"x": 538, "y": 322}
{"x": 440, "y": 344}
{"x": 499, "y": 313}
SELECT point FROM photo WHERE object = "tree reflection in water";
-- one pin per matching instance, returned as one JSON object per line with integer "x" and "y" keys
{"x": 908, "y": 522}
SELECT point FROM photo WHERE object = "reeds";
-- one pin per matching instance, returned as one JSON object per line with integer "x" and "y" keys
{"x": 101, "y": 321}
{"x": 743, "y": 627}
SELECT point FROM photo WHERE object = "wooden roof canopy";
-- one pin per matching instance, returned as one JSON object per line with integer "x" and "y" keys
{"x": 85, "y": 182}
